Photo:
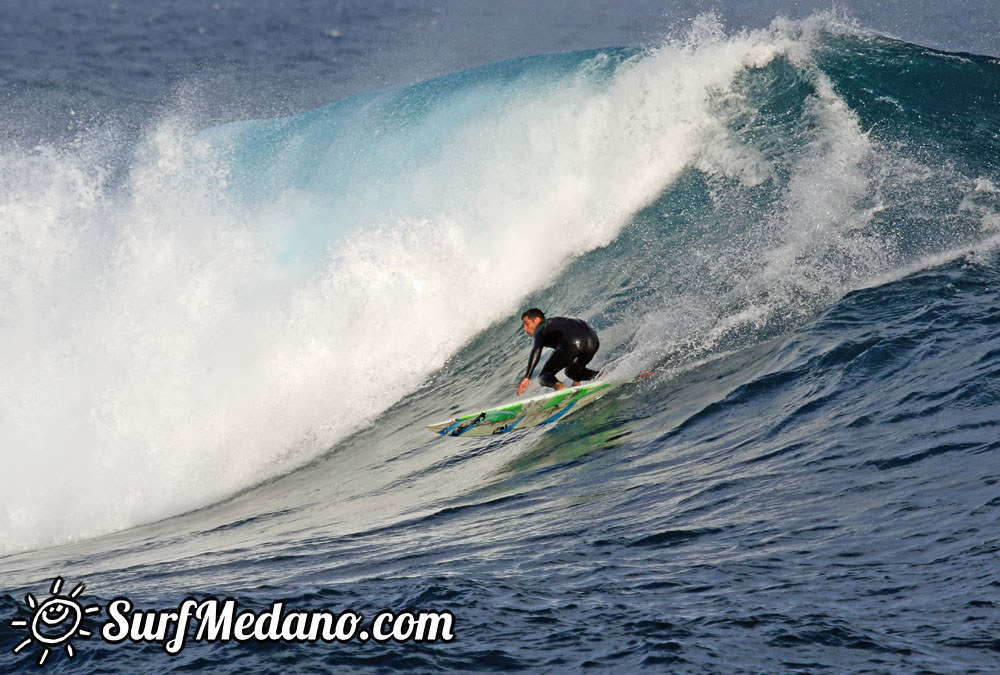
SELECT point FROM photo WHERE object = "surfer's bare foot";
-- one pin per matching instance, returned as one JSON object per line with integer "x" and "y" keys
{"x": 560, "y": 386}
{"x": 576, "y": 384}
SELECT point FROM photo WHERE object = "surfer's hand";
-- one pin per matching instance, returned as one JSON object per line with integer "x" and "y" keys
{"x": 523, "y": 387}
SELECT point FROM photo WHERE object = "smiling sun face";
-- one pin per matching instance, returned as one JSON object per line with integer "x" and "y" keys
{"x": 55, "y": 621}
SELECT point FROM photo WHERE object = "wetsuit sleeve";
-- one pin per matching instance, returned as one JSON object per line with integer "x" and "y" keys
{"x": 536, "y": 354}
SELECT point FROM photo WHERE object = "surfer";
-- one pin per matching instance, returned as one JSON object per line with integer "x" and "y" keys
{"x": 575, "y": 344}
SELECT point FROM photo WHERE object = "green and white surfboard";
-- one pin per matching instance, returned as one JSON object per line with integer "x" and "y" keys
{"x": 531, "y": 412}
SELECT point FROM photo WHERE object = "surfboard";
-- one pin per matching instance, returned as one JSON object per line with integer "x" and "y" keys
{"x": 531, "y": 412}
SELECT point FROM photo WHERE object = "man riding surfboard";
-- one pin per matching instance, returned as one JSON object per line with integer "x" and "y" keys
{"x": 574, "y": 342}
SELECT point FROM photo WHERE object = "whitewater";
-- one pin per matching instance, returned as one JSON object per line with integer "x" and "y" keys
{"x": 221, "y": 351}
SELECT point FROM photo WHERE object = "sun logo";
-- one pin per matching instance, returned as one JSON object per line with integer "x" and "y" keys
{"x": 55, "y": 621}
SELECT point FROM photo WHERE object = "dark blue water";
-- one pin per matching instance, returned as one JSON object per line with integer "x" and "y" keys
{"x": 246, "y": 252}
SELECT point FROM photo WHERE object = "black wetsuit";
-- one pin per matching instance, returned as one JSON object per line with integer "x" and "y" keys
{"x": 575, "y": 344}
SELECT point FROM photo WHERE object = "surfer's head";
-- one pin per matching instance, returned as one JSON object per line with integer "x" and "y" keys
{"x": 530, "y": 320}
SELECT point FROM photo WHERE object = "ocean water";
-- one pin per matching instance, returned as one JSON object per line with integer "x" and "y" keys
{"x": 248, "y": 251}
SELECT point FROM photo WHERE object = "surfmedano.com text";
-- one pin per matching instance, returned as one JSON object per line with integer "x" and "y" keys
{"x": 215, "y": 620}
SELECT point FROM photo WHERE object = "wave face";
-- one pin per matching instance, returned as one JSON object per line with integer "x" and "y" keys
{"x": 794, "y": 226}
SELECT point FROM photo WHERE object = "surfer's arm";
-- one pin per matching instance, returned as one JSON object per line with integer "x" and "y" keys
{"x": 536, "y": 354}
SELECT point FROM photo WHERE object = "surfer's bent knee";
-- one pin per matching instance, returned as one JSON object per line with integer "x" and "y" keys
{"x": 547, "y": 380}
